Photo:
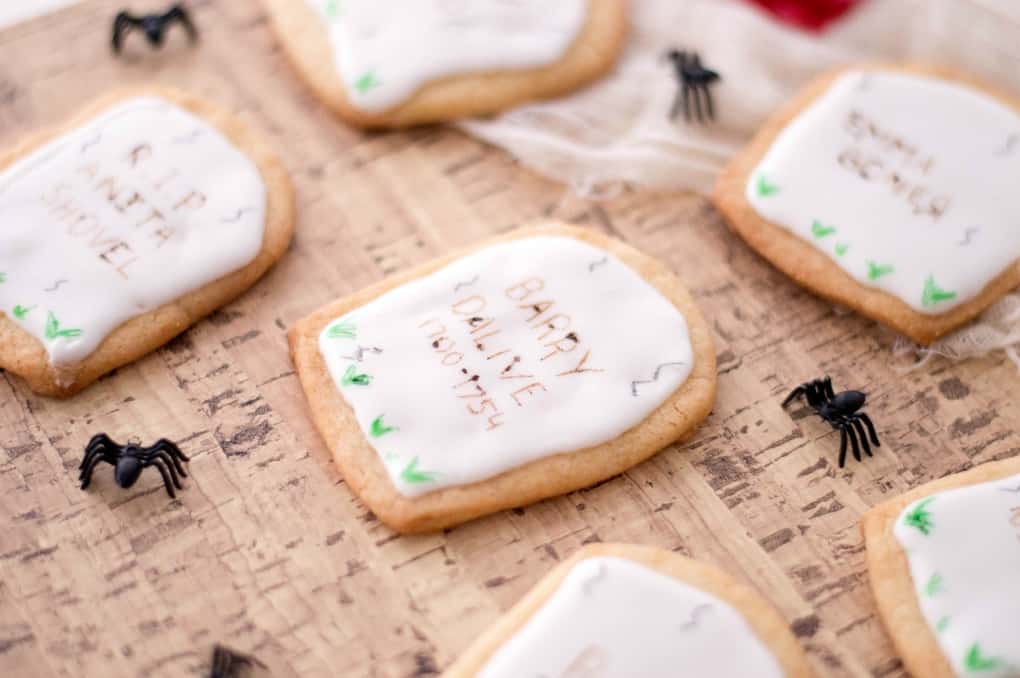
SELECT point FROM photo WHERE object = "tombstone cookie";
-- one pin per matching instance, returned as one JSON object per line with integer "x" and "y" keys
{"x": 126, "y": 226}
{"x": 381, "y": 64}
{"x": 533, "y": 365}
{"x": 888, "y": 190}
{"x": 944, "y": 563}
{"x": 616, "y": 611}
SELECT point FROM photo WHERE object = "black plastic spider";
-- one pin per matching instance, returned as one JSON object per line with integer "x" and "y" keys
{"x": 693, "y": 79}
{"x": 154, "y": 25}
{"x": 130, "y": 460}
{"x": 229, "y": 664}
{"x": 841, "y": 411}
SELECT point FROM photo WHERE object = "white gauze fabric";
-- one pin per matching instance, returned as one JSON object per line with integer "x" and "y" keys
{"x": 618, "y": 129}
{"x": 998, "y": 328}
{"x": 618, "y": 132}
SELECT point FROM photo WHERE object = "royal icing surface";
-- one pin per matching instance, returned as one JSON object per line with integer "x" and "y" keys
{"x": 136, "y": 208}
{"x": 519, "y": 351}
{"x": 386, "y": 51}
{"x": 908, "y": 183}
{"x": 614, "y": 618}
{"x": 963, "y": 547}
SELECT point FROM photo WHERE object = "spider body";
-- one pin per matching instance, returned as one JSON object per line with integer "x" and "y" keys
{"x": 153, "y": 25}
{"x": 842, "y": 404}
{"x": 129, "y": 467}
{"x": 695, "y": 83}
{"x": 130, "y": 460}
{"x": 842, "y": 411}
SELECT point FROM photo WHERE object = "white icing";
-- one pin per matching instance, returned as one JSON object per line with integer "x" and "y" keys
{"x": 585, "y": 368}
{"x": 614, "y": 618}
{"x": 136, "y": 208}
{"x": 939, "y": 210}
{"x": 385, "y": 51}
{"x": 966, "y": 573}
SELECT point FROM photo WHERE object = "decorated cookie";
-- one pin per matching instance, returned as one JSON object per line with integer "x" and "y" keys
{"x": 888, "y": 190}
{"x": 944, "y": 563}
{"x": 530, "y": 366}
{"x": 126, "y": 226}
{"x": 616, "y": 611}
{"x": 384, "y": 64}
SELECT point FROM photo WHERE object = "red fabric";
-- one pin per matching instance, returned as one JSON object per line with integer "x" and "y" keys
{"x": 810, "y": 14}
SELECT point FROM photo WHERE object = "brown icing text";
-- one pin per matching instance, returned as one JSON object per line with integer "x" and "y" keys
{"x": 473, "y": 329}
{"x": 127, "y": 194}
{"x": 883, "y": 157}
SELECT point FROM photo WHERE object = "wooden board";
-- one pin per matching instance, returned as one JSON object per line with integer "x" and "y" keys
{"x": 268, "y": 552}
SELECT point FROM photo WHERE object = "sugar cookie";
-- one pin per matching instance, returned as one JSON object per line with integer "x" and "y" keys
{"x": 145, "y": 213}
{"x": 536, "y": 364}
{"x": 383, "y": 64}
{"x": 615, "y": 610}
{"x": 889, "y": 190}
{"x": 943, "y": 561}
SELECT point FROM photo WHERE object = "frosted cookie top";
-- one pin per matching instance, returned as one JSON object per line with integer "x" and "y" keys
{"x": 386, "y": 51}
{"x": 614, "y": 618}
{"x": 138, "y": 207}
{"x": 907, "y": 182}
{"x": 519, "y": 351}
{"x": 963, "y": 548}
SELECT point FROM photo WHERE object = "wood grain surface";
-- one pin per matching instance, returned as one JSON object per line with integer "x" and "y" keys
{"x": 267, "y": 550}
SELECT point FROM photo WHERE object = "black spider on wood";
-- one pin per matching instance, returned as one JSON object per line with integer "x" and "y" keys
{"x": 154, "y": 25}
{"x": 130, "y": 460}
{"x": 229, "y": 664}
{"x": 841, "y": 411}
{"x": 694, "y": 81}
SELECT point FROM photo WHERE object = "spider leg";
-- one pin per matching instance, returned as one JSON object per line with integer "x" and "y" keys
{"x": 174, "y": 466}
{"x": 221, "y": 662}
{"x": 814, "y": 398}
{"x": 794, "y": 394}
{"x": 87, "y": 461}
{"x": 121, "y": 25}
{"x": 860, "y": 433}
{"x": 101, "y": 438}
{"x": 685, "y": 92}
{"x": 826, "y": 385}
{"x": 99, "y": 442}
{"x": 162, "y": 457}
{"x": 86, "y": 474}
{"x": 178, "y": 13}
{"x": 166, "y": 476}
{"x": 174, "y": 452}
{"x": 871, "y": 427}
{"x": 853, "y": 439}
{"x": 708, "y": 101}
{"x": 699, "y": 90}
{"x": 820, "y": 389}
{"x": 89, "y": 453}
{"x": 184, "y": 474}
{"x": 842, "y": 448}
{"x": 173, "y": 449}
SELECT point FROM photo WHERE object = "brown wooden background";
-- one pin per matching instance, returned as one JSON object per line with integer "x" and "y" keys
{"x": 268, "y": 551}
